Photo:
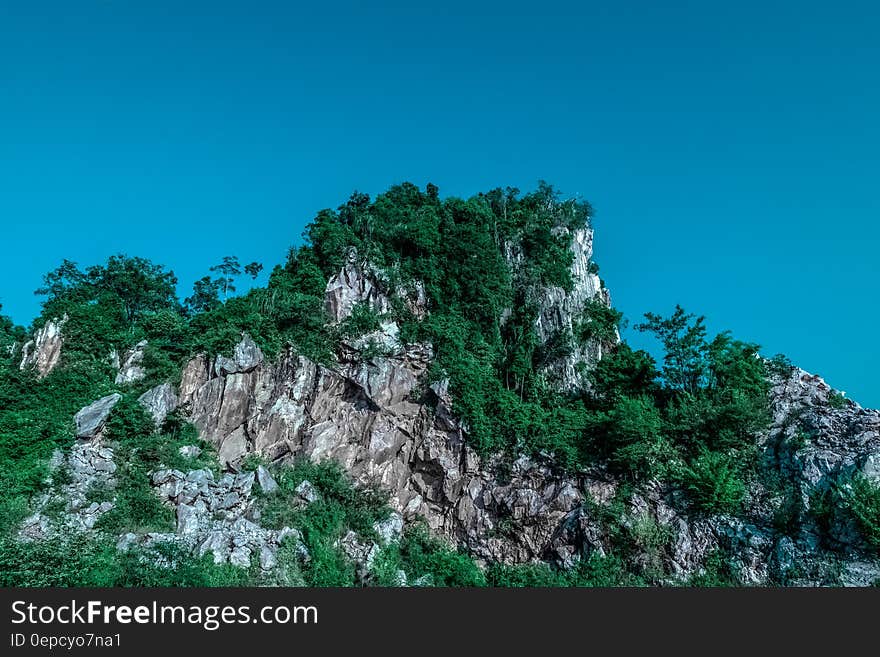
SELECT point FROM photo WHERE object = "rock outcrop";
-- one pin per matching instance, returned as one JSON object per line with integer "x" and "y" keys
{"x": 390, "y": 426}
{"x": 159, "y": 402}
{"x": 130, "y": 365}
{"x": 359, "y": 283}
{"x": 90, "y": 420}
{"x": 380, "y": 421}
{"x": 217, "y": 516}
{"x": 560, "y": 311}
{"x": 89, "y": 466}
{"x": 363, "y": 416}
{"x": 356, "y": 283}
{"x": 43, "y": 352}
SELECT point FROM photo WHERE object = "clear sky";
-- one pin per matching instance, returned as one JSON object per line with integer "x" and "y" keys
{"x": 730, "y": 149}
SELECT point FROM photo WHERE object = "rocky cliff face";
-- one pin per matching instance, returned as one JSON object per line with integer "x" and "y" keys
{"x": 389, "y": 426}
{"x": 43, "y": 352}
{"x": 385, "y": 427}
{"x": 560, "y": 310}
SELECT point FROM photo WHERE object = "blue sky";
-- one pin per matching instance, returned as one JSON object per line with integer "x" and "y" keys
{"x": 730, "y": 149}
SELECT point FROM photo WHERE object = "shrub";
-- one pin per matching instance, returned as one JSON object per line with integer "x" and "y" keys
{"x": 714, "y": 482}
{"x": 600, "y": 323}
{"x": 837, "y": 400}
{"x": 423, "y": 556}
{"x": 862, "y": 498}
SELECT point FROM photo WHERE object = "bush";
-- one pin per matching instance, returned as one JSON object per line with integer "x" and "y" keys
{"x": 631, "y": 433}
{"x": 717, "y": 572}
{"x": 862, "y": 498}
{"x": 600, "y": 323}
{"x": 424, "y": 557}
{"x": 714, "y": 482}
{"x": 837, "y": 400}
{"x": 82, "y": 560}
{"x": 340, "y": 508}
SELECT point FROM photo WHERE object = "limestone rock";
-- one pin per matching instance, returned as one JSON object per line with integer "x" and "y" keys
{"x": 233, "y": 448}
{"x": 561, "y": 310}
{"x": 159, "y": 402}
{"x": 354, "y": 284}
{"x": 90, "y": 468}
{"x": 130, "y": 368}
{"x": 307, "y": 492}
{"x": 43, "y": 352}
{"x": 246, "y": 356}
{"x": 190, "y": 451}
{"x": 90, "y": 420}
{"x": 267, "y": 482}
{"x": 389, "y": 530}
{"x": 363, "y": 554}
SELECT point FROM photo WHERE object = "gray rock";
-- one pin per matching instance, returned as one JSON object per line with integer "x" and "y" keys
{"x": 307, "y": 492}
{"x": 130, "y": 369}
{"x": 560, "y": 311}
{"x": 362, "y": 553}
{"x": 241, "y": 557}
{"x": 246, "y": 357}
{"x": 126, "y": 542}
{"x": 190, "y": 451}
{"x": 218, "y": 543}
{"x": 389, "y": 530}
{"x": 90, "y": 420}
{"x": 268, "y": 559}
{"x": 267, "y": 482}
{"x": 200, "y": 477}
{"x": 34, "y": 528}
{"x": 159, "y": 402}
{"x": 56, "y": 460}
{"x": 244, "y": 482}
{"x": 233, "y": 448}
{"x": 188, "y": 519}
{"x": 289, "y": 533}
{"x": 353, "y": 285}
{"x": 227, "y": 501}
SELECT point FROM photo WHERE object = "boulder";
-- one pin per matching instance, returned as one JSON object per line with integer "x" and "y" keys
{"x": 159, "y": 402}
{"x": 234, "y": 448}
{"x": 267, "y": 482}
{"x": 188, "y": 519}
{"x": 90, "y": 420}
{"x": 246, "y": 357}
{"x": 190, "y": 451}
{"x": 307, "y": 492}
{"x": 389, "y": 530}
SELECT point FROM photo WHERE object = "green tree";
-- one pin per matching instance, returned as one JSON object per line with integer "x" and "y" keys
{"x": 715, "y": 482}
{"x": 253, "y": 269}
{"x": 136, "y": 284}
{"x": 228, "y": 270}
{"x": 62, "y": 281}
{"x": 685, "y": 348}
{"x": 205, "y": 296}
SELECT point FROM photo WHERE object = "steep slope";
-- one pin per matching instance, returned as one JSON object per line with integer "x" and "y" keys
{"x": 563, "y": 447}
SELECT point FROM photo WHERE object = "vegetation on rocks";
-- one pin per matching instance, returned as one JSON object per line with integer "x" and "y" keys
{"x": 687, "y": 421}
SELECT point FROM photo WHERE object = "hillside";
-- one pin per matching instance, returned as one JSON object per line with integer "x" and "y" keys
{"x": 429, "y": 391}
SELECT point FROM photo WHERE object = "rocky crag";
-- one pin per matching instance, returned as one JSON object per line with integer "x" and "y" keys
{"x": 389, "y": 427}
